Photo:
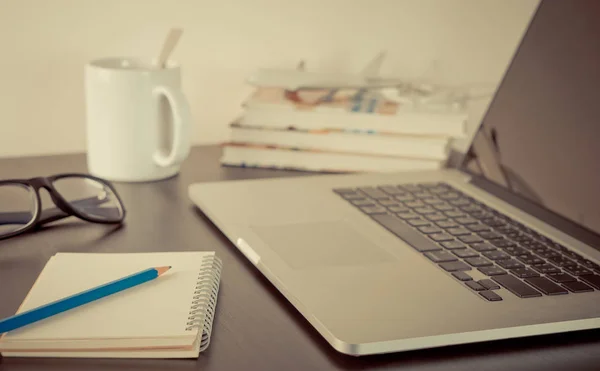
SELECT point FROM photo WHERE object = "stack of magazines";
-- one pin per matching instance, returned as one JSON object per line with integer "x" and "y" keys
{"x": 357, "y": 128}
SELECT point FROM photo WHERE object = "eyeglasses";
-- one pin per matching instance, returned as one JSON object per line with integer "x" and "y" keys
{"x": 83, "y": 196}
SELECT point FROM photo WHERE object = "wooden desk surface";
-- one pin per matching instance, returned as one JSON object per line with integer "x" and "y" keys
{"x": 255, "y": 327}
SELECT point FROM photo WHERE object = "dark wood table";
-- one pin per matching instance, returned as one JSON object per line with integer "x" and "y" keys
{"x": 255, "y": 327}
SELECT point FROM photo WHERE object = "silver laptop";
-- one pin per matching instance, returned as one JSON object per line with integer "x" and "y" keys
{"x": 503, "y": 245}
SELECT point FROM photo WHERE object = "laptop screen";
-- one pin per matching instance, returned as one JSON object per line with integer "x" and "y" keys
{"x": 540, "y": 137}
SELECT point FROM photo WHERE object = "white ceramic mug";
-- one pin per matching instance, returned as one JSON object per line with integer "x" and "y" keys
{"x": 138, "y": 121}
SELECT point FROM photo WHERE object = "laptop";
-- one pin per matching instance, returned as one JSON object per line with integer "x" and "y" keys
{"x": 504, "y": 244}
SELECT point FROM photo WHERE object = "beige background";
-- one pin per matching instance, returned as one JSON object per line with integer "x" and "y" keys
{"x": 45, "y": 43}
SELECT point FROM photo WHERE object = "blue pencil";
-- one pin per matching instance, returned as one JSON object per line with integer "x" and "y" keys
{"x": 74, "y": 301}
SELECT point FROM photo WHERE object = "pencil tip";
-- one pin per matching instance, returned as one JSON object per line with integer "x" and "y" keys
{"x": 162, "y": 270}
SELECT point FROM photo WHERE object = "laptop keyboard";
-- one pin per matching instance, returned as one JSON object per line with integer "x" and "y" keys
{"x": 460, "y": 235}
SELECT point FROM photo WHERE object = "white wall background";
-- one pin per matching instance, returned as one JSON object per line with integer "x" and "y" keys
{"x": 45, "y": 43}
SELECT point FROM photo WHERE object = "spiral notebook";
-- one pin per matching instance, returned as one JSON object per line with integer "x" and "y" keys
{"x": 170, "y": 317}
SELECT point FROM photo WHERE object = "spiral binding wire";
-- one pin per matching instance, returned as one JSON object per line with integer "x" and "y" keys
{"x": 204, "y": 302}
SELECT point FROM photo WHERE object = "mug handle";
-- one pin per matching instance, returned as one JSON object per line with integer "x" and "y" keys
{"x": 180, "y": 110}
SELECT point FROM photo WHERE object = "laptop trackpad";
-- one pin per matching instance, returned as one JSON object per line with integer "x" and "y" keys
{"x": 322, "y": 244}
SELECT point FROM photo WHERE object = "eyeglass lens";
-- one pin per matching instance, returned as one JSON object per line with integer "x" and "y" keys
{"x": 17, "y": 208}
{"x": 90, "y": 197}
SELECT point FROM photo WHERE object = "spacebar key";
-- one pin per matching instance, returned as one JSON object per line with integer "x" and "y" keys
{"x": 406, "y": 233}
{"x": 516, "y": 286}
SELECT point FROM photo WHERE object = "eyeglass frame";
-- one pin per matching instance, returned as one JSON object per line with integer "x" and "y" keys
{"x": 64, "y": 208}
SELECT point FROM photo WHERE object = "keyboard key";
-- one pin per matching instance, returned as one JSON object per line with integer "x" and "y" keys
{"x": 492, "y": 271}
{"x": 589, "y": 264}
{"x": 425, "y": 210}
{"x": 496, "y": 255}
{"x": 460, "y": 231}
{"x": 363, "y": 202}
{"x": 577, "y": 270}
{"x": 404, "y": 197}
{"x": 527, "y": 243}
{"x": 449, "y": 196}
{"x": 511, "y": 233}
{"x": 479, "y": 214}
{"x": 374, "y": 210}
{"x": 452, "y": 245}
{"x": 502, "y": 243}
{"x": 490, "y": 295}
{"x": 446, "y": 223}
{"x": 398, "y": 209}
{"x": 432, "y": 201}
{"x": 352, "y": 196}
{"x": 493, "y": 222}
{"x": 422, "y": 194}
{"x": 531, "y": 259}
{"x": 419, "y": 223}
{"x": 408, "y": 215}
{"x": 460, "y": 202}
{"x": 479, "y": 262}
{"x": 388, "y": 202}
{"x": 515, "y": 250}
{"x": 490, "y": 235}
{"x": 462, "y": 276}
{"x": 577, "y": 287}
{"x": 546, "y": 286}
{"x": 547, "y": 253}
{"x": 507, "y": 228}
{"x": 454, "y": 214}
{"x": 428, "y": 229}
{"x": 538, "y": 246}
{"x": 479, "y": 227}
{"x": 471, "y": 208}
{"x": 466, "y": 221}
{"x": 439, "y": 190}
{"x": 592, "y": 279}
{"x": 391, "y": 190}
{"x": 516, "y": 286}
{"x": 573, "y": 255}
{"x": 470, "y": 239}
{"x": 436, "y": 217}
{"x": 475, "y": 286}
{"x": 443, "y": 207}
{"x": 440, "y": 237}
{"x": 455, "y": 266}
{"x": 440, "y": 256}
{"x": 489, "y": 284}
{"x": 374, "y": 193}
{"x": 433, "y": 186}
{"x": 405, "y": 232}
{"x": 465, "y": 253}
{"x": 546, "y": 269}
{"x": 522, "y": 239}
{"x": 483, "y": 246}
{"x": 559, "y": 247}
{"x": 413, "y": 204}
{"x": 524, "y": 273}
{"x": 562, "y": 261}
{"x": 561, "y": 277}
{"x": 510, "y": 264}
{"x": 581, "y": 260}
{"x": 343, "y": 191}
